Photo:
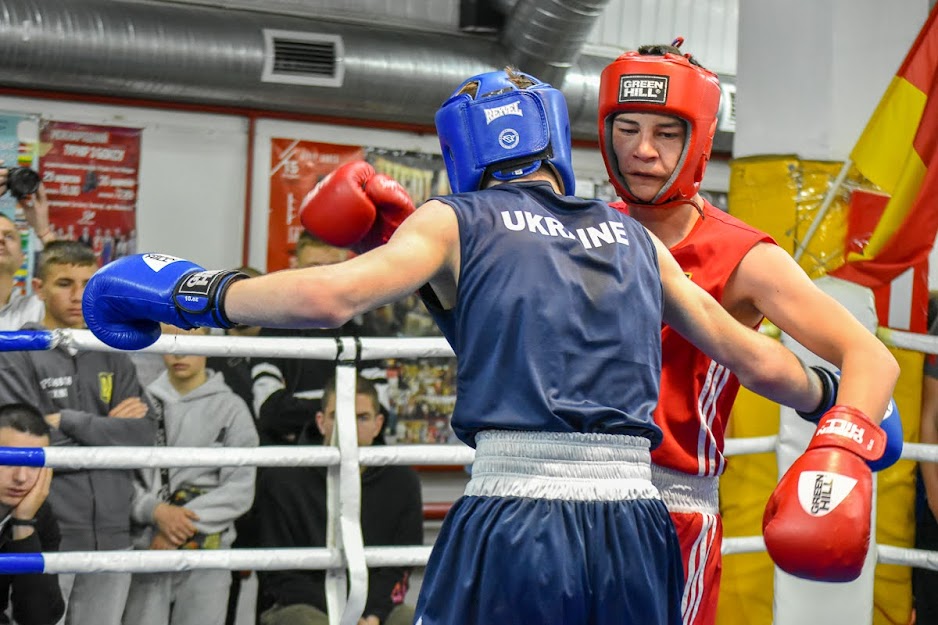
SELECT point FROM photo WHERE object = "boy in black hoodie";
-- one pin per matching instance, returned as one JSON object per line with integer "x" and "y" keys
{"x": 291, "y": 512}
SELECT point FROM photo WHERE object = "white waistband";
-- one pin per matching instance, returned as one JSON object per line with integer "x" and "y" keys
{"x": 683, "y": 492}
{"x": 559, "y": 465}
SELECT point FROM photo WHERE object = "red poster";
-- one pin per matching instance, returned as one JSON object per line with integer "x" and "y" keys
{"x": 91, "y": 176}
{"x": 296, "y": 166}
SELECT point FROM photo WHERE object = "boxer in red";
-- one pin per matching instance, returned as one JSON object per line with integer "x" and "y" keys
{"x": 657, "y": 116}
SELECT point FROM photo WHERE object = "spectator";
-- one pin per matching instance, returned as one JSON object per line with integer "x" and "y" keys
{"x": 288, "y": 391}
{"x": 88, "y": 398}
{"x": 28, "y": 525}
{"x": 15, "y": 307}
{"x": 292, "y": 512}
{"x": 236, "y": 369}
{"x": 191, "y": 508}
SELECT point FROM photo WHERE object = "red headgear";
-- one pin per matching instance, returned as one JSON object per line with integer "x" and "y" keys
{"x": 665, "y": 85}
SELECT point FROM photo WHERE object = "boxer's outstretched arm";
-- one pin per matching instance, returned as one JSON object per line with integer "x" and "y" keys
{"x": 763, "y": 365}
{"x": 424, "y": 248}
{"x": 125, "y": 302}
{"x": 770, "y": 281}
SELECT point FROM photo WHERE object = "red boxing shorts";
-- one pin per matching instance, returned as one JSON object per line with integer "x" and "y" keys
{"x": 693, "y": 502}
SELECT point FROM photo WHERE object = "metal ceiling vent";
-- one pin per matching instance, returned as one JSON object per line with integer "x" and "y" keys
{"x": 300, "y": 58}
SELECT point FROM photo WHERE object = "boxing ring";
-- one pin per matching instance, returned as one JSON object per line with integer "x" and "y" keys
{"x": 344, "y": 558}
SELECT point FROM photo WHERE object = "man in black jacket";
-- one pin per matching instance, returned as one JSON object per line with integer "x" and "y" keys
{"x": 291, "y": 512}
{"x": 287, "y": 392}
{"x": 27, "y": 524}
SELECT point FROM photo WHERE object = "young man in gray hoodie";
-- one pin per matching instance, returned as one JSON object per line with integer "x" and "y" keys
{"x": 190, "y": 508}
{"x": 88, "y": 399}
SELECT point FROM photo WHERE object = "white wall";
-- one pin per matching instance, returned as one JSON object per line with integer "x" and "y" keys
{"x": 191, "y": 196}
{"x": 812, "y": 94}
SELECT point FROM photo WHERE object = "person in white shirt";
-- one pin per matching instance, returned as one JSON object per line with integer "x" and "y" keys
{"x": 15, "y": 307}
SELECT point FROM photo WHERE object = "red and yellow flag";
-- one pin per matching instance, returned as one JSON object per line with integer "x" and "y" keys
{"x": 896, "y": 152}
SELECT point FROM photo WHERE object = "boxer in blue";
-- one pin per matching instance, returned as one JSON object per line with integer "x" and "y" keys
{"x": 554, "y": 306}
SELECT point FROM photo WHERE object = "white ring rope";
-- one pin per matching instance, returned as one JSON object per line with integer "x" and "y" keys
{"x": 271, "y": 347}
{"x": 335, "y": 558}
{"x": 227, "y": 559}
{"x": 745, "y": 544}
{"x": 268, "y": 456}
{"x": 289, "y": 456}
{"x": 751, "y": 445}
{"x": 919, "y": 558}
{"x": 179, "y": 457}
{"x": 924, "y": 343}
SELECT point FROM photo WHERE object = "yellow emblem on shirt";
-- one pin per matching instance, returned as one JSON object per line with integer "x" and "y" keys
{"x": 105, "y": 386}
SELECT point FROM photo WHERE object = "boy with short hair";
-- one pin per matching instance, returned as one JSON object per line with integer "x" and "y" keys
{"x": 28, "y": 524}
{"x": 190, "y": 508}
{"x": 291, "y": 511}
{"x": 87, "y": 398}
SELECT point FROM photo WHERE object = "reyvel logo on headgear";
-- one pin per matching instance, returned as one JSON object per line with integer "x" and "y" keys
{"x": 512, "y": 108}
{"x": 105, "y": 386}
{"x": 509, "y": 138}
{"x": 643, "y": 88}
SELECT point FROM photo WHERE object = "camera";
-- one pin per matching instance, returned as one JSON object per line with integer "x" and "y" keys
{"x": 22, "y": 181}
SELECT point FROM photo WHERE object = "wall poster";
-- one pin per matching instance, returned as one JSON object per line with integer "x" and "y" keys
{"x": 91, "y": 176}
{"x": 295, "y": 168}
{"x": 420, "y": 394}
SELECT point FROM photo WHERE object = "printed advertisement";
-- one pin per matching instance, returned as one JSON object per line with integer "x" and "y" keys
{"x": 296, "y": 166}
{"x": 91, "y": 176}
{"x": 423, "y": 175}
{"x": 421, "y": 393}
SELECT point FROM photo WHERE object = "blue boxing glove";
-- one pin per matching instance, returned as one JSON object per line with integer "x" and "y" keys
{"x": 125, "y": 301}
{"x": 892, "y": 426}
{"x": 891, "y": 423}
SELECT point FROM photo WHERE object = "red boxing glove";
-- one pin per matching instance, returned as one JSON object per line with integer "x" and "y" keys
{"x": 817, "y": 522}
{"x": 355, "y": 207}
{"x": 337, "y": 210}
{"x": 394, "y": 206}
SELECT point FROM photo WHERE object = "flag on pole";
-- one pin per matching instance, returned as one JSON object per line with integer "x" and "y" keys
{"x": 897, "y": 152}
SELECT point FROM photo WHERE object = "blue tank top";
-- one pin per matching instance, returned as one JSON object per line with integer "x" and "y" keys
{"x": 557, "y": 322}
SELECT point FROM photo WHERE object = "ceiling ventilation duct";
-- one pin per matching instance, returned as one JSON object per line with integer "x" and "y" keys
{"x": 545, "y": 37}
{"x": 247, "y": 59}
{"x": 298, "y": 58}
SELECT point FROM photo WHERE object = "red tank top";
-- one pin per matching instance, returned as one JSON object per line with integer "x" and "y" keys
{"x": 696, "y": 392}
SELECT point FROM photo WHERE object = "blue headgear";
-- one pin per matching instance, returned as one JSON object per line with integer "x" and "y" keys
{"x": 504, "y": 131}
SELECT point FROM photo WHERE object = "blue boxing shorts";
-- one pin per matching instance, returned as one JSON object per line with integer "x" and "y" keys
{"x": 555, "y": 529}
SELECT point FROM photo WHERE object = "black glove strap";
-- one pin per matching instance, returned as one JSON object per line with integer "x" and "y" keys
{"x": 829, "y": 387}
{"x": 203, "y": 293}
{"x": 224, "y": 321}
